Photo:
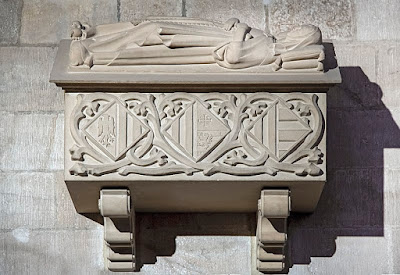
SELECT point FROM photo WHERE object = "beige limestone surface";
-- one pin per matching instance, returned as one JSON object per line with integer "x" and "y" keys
{"x": 182, "y": 151}
{"x": 178, "y": 175}
{"x": 354, "y": 230}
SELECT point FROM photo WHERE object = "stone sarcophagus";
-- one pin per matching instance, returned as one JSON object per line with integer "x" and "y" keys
{"x": 189, "y": 115}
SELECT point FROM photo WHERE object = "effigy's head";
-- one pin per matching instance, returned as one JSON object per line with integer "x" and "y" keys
{"x": 301, "y": 36}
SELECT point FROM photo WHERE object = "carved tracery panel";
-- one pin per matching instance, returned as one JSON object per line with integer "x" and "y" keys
{"x": 160, "y": 134}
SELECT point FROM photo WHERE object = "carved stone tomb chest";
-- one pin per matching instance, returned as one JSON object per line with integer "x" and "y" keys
{"x": 194, "y": 116}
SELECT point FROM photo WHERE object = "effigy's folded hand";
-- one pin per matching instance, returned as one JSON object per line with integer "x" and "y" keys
{"x": 230, "y": 23}
{"x": 81, "y": 31}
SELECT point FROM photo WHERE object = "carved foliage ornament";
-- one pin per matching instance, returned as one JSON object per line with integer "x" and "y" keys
{"x": 165, "y": 134}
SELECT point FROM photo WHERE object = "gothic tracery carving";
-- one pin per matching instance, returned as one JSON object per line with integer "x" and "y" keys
{"x": 208, "y": 133}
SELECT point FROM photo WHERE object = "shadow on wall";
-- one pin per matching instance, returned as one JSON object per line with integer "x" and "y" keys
{"x": 157, "y": 232}
{"x": 359, "y": 128}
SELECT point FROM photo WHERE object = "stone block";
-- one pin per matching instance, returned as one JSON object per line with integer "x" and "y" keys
{"x": 395, "y": 251}
{"x": 392, "y": 208}
{"x": 332, "y": 16}
{"x": 195, "y": 243}
{"x": 27, "y": 201}
{"x": 66, "y": 216}
{"x": 358, "y": 90}
{"x": 81, "y": 252}
{"x": 31, "y": 141}
{"x": 377, "y": 20}
{"x": 358, "y": 138}
{"x": 24, "y": 80}
{"x": 300, "y": 270}
{"x": 389, "y": 73}
{"x": 250, "y": 12}
{"x": 352, "y": 202}
{"x": 136, "y": 10}
{"x": 205, "y": 255}
{"x": 355, "y": 255}
{"x": 26, "y": 251}
{"x": 352, "y": 54}
{"x": 10, "y": 17}
{"x": 392, "y": 164}
{"x": 46, "y": 22}
{"x": 392, "y": 197}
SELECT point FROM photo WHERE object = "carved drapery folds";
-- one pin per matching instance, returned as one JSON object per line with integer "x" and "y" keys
{"x": 207, "y": 133}
{"x": 181, "y": 110}
{"x": 191, "y": 41}
{"x": 115, "y": 207}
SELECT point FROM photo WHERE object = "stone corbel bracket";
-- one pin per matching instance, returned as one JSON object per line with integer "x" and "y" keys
{"x": 273, "y": 211}
{"x": 246, "y": 131}
{"x": 115, "y": 207}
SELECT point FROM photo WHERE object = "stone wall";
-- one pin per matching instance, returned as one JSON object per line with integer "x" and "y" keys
{"x": 356, "y": 228}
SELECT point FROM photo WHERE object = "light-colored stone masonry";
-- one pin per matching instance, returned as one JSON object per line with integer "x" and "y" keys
{"x": 356, "y": 227}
